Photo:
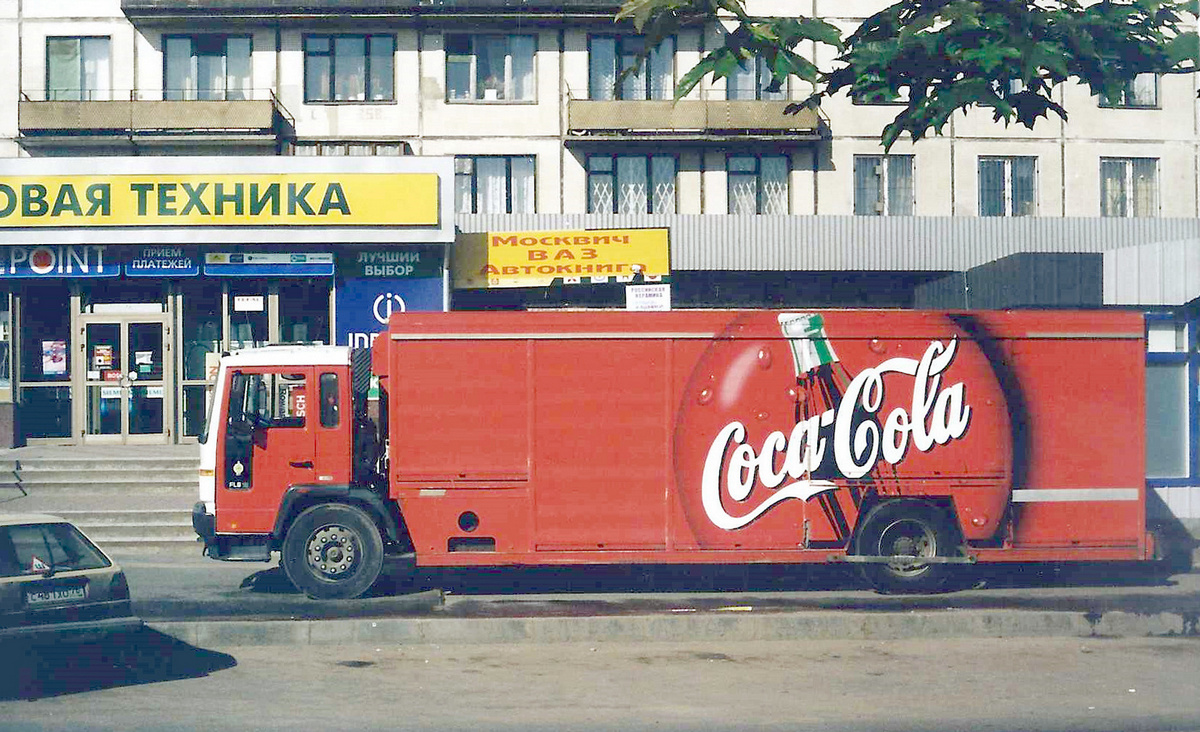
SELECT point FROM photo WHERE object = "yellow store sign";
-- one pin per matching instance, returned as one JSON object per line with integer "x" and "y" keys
{"x": 540, "y": 258}
{"x": 289, "y": 199}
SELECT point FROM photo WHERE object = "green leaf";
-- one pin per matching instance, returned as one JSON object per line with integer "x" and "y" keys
{"x": 1184, "y": 49}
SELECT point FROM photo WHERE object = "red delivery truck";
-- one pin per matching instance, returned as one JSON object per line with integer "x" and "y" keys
{"x": 912, "y": 443}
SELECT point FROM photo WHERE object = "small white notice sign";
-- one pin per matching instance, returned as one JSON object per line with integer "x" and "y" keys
{"x": 248, "y": 303}
{"x": 648, "y": 297}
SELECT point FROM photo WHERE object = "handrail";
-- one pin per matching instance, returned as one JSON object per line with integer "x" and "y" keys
{"x": 134, "y": 111}
{"x": 706, "y": 94}
{"x": 255, "y": 94}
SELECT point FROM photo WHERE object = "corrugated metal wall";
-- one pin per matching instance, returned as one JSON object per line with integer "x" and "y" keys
{"x": 1154, "y": 273}
{"x": 815, "y": 243}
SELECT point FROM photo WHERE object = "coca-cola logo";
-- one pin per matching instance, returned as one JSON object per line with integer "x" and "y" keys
{"x": 861, "y": 438}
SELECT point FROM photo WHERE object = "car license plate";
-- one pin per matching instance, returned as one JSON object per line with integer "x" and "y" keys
{"x": 55, "y": 594}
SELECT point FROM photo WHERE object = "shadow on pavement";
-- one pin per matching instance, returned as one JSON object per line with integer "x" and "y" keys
{"x": 144, "y": 657}
{"x": 757, "y": 578}
{"x": 396, "y": 579}
{"x": 271, "y": 581}
{"x": 626, "y": 589}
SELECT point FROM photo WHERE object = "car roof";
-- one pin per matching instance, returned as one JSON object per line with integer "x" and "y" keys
{"x": 17, "y": 519}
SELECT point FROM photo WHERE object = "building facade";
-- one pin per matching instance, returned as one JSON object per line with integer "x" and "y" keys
{"x": 527, "y": 103}
{"x": 525, "y": 97}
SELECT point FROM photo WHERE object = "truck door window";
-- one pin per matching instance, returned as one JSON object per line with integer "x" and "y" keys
{"x": 267, "y": 400}
{"x": 330, "y": 408}
{"x": 287, "y": 400}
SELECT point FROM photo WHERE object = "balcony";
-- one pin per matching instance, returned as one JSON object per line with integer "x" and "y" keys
{"x": 702, "y": 121}
{"x": 143, "y": 119}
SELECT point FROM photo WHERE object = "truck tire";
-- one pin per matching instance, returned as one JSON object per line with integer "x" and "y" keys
{"x": 907, "y": 529}
{"x": 333, "y": 551}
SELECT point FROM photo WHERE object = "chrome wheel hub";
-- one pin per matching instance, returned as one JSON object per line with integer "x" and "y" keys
{"x": 907, "y": 538}
{"x": 332, "y": 551}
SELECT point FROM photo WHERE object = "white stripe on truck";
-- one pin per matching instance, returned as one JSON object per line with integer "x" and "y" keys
{"x": 1056, "y": 495}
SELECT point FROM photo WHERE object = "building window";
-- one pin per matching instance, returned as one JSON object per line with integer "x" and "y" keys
{"x": 349, "y": 148}
{"x": 330, "y": 406}
{"x": 490, "y": 68}
{"x": 1141, "y": 92}
{"x": 610, "y": 56}
{"x": 6, "y": 337}
{"x": 628, "y": 184}
{"x": 883, "y": 185}
{"x": 758, "y": 184}
{"x": 1008, "y": 186}
{"x": 78, "y": 69}
{"x": 1128, "y": 187}
{"x": 1171, "y": 368}
{"x": 494, "y": 184}
{"x": 349, "y": 68}
{"x": 303, "y": 311}
{"x": 208, "y": 67}
{"x": 750, "y": 81}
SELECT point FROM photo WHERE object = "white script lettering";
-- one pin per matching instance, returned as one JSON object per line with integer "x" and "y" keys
{"x": 936, "y": 416}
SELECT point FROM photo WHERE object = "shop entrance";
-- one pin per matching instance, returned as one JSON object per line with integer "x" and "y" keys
{"x": 126, "y": 379}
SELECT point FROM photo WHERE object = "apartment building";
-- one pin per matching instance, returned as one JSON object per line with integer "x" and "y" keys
{"x": 523, "y": 95}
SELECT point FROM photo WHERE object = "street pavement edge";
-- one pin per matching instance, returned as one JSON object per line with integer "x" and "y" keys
{"x": 708, "y": 626}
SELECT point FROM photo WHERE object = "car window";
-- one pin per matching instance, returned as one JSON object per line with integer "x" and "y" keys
{"x": 39, "y": 548}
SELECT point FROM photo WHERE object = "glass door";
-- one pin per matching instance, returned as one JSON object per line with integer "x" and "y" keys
{"x": 127, "y": 384}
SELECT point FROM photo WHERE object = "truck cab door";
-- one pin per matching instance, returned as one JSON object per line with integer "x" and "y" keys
{"x": 269, "y": 446}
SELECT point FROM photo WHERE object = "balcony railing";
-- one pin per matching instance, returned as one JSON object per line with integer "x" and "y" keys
{"x": 712, "y": 115}
{"x": 104, "y": 112}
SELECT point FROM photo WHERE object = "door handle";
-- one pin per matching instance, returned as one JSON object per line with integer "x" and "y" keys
{"x": 302, "y": 464}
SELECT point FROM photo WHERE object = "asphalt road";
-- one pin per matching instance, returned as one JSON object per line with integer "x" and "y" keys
{"x": 983, "y": 685}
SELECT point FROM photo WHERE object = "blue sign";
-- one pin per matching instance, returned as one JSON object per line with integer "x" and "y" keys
{"x": 268, "y": 264}
{"x": 163, "y": 261}
{"x": 364, "y": 305}
{"x": 67, "y": 260}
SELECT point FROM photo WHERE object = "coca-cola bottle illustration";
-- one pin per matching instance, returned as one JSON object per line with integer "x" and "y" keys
{"x": 821, "y": 382}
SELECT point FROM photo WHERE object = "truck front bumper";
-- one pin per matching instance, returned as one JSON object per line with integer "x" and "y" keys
{"x": 230, "y": 548}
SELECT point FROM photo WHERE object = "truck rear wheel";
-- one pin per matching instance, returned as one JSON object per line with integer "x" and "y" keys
{"x": 333, "y": 551}
{"x": 906, "y": 529}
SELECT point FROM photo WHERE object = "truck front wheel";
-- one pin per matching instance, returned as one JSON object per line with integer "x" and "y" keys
{"x": 907, "y": 530}
{"x": 333, "y": 551}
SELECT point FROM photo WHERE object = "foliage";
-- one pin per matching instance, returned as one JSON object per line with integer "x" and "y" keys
{"x": 939, "y": 56}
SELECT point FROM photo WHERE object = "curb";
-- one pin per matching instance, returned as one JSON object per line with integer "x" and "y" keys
{"x": 725, "y": 626}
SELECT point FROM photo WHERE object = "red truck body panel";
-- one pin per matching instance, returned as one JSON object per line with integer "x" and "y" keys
{"x": 752, "y": 436}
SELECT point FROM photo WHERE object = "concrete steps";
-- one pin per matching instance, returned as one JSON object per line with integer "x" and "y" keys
{"x": 128, "y": 498}
{"x": 150, "y": 529}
